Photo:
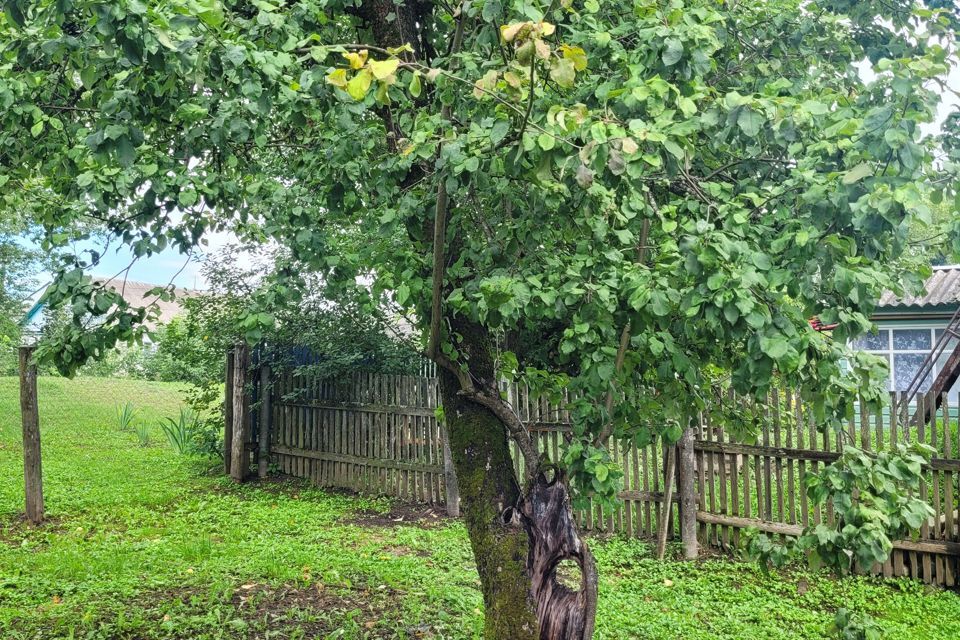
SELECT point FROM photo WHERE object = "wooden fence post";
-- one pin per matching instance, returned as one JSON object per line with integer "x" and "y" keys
{"x": 32, "y": 471}
{"x": 688, "y": 496}
{"x": 228, "y": 413}
{"x": 666, "y": 514}
{"x": 263, "y": 459}
{"x": 238, "y": 453}
{"x": 451, "y": 486}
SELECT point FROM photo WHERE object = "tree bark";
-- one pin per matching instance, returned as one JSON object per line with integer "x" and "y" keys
{"x": 688, "y": 495}
{"x": 30, "y": 418}
{"x": 238, "y": 451}
{"x": 518, "y": 537}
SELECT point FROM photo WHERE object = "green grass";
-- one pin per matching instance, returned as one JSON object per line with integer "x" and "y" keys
{"x": 145, "y": 544}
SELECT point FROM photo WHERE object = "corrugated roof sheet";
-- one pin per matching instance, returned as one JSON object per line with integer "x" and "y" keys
{"x": 942, "y": 288}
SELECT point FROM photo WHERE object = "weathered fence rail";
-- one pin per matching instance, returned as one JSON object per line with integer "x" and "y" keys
{"x": 380, "y": 434}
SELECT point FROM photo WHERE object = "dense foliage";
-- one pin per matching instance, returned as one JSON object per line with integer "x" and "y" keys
{"x": 619, "y": 201}
{"x": 708, "y": 189}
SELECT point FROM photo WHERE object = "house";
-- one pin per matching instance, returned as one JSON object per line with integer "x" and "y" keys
{"x": 908, "y": 329}
{"x": 136, "y": 295}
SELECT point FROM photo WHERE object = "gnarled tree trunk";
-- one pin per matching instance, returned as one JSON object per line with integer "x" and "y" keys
{"x": 519, "y": 536}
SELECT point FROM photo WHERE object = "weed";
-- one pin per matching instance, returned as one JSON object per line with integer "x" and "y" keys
{"x": 181, "y": 432}
{"x": 143, "y": 434}
{"x": 125, "y": 415}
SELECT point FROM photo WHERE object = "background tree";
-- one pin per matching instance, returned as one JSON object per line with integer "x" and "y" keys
{"x": 615, "y": 201}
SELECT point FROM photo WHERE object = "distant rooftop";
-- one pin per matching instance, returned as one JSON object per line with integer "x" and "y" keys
{"x": 942, "y": 288}
{"x": 135, "y": 293}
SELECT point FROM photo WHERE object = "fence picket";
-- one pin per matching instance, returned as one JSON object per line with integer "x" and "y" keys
{"x": 379, "y": 434}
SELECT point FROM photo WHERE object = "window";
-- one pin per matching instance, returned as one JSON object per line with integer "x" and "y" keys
{"x": 905, "y": 350}
{"x": 912, "y": 340}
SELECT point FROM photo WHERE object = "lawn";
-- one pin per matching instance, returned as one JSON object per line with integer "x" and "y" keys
{"x": 145, "y": 544}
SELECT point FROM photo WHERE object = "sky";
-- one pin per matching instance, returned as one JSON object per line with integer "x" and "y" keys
{"x": 170, "y": 264}
{"x": 161, "y": 268}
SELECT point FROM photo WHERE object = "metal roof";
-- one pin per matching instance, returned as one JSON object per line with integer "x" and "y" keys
{"x": 942, "y": 288}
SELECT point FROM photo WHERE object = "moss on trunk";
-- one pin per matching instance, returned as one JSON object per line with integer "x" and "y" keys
{"x": 481, "y": 457}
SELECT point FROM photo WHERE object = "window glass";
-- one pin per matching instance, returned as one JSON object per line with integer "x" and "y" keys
{"x": 911, "y": 339}
{"x": 874, "y": 341}
{"x": 905, "y": 367}
{"x": 951, "y": 345}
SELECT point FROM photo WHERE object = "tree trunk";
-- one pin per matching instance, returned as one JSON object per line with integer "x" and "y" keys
{"x": 518, "y": 537}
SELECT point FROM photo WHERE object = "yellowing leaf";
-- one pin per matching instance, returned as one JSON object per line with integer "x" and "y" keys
{"x": 360, "y": 84}
{"x": 356, "y": 59}
{"x": 512, "y": 79}
{"x": 396, "y": 50}
{"x": 577, "y": 54}
{"x": 383, "y": 69}
{"x": 547, "y": 29}
{"x": 629, "y": 146}
{"x": 543, "y": 49}
{"x": 432, "y": 75}
{"x": 381, "y": 95}
{"x": 510, "y": 31}
{"x": 562, "y": 72}
{"x": 485, "y": 84}
{"x": 338, "y": 78}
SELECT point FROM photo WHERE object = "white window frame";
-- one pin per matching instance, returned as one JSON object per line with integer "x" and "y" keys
{"x": 890, "y": 352}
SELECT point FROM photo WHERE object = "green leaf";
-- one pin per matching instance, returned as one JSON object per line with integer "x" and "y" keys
{"x": 499, "y": 130}
{"x": 675, "y": 149}
{"x": 750, "y": 121}
{"x": 546, "y": 141}
{"x": 601, "y": 472}
{"x": 776, "y": 348}
{"x": 37, "y": 128}
{"x": 858, "y": 173}
{"x": 815, "y": 107}
{"x": 403, "y": 294}
{"x": 673, "y": 51}
{"x": 88, "y": 76}
{"x": 188, "y": 197}
{"x": 415, "y": 87}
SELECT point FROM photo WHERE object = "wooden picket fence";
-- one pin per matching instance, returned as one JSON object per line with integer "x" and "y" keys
{"x": 379, "y": 434}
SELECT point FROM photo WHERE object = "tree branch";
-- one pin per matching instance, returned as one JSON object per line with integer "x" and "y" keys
{"x": 625, "y": 334}
{"x": 440, "y": 216}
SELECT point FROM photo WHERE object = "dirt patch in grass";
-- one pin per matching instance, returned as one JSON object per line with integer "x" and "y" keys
{"x": 315, "y": 611}
{"x": 401, "y": 514}
{"x": 15, "y": 529}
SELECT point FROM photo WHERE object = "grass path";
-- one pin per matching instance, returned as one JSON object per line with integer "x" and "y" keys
{"x": 143, "y": 544}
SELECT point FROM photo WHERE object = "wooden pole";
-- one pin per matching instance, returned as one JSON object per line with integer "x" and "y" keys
{"x": 30, "y": 417}
{"x": 228, "y": 413}
{"x": 238, "y": 454}
{"x": 666, "y": 512}
{"x": 263, "y": 459}
{"x": 688, "y": 496}
{"x": 451, "y": 486}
